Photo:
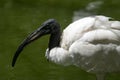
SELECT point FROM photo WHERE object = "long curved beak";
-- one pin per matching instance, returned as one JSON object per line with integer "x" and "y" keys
{"x": 33, "y": 36}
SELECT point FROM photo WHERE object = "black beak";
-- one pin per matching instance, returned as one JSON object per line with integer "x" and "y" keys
{"x": 33, "y": 36}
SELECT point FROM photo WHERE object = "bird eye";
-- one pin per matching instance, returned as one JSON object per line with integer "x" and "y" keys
{"x": 46, "y": 25}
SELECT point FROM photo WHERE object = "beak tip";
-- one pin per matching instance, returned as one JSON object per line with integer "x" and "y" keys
{"x": 13, "y": 65}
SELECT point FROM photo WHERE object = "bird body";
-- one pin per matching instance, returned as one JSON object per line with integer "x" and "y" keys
{"x": 92, "y": 43}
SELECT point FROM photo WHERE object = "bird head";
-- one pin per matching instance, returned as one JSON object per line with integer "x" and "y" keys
{"x": 48, "y": 27}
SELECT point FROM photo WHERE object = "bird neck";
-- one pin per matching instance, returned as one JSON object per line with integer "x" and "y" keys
{"x": 54, "y": 40}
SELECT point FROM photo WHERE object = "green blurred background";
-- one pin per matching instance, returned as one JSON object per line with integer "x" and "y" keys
{"x": 18, "y": 18}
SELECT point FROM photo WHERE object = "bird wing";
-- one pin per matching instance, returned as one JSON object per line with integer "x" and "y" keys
{"x": 98, "y": 49}
{"x": 103, "y": 32}
{"x": 75, "y": 30}
{"x": 97, "y": 40}
{"x": 92, "y": 29}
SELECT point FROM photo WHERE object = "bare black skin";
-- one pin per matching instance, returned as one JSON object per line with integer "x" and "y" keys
{"x": 51, "y": 27}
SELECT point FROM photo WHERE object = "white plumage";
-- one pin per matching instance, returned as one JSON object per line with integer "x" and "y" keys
{"x": 91, "y": 43}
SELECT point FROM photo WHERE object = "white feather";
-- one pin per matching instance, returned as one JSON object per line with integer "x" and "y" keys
{"x": 115, "y": 25}
{"x": 100, "y": 35}
{"x": 60, "y": 56}
{"x": 96, "y": 57}
{"x": 75, "y": 30}
{"x": 92, "y": 43}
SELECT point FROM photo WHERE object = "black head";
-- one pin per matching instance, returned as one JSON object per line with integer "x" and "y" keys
{"x": 48, "y": 27}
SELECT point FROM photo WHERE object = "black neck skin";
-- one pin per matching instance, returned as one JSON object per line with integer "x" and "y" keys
{"x": 54, "y": 40}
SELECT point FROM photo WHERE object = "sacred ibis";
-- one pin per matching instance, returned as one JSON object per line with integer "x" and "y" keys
{"x": 91, "y": 43}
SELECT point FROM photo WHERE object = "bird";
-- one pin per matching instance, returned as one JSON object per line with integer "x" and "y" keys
{"x": 91, "y": 43}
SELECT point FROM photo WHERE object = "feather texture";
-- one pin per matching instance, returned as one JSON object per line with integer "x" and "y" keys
{"x": 92, "y": 43}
